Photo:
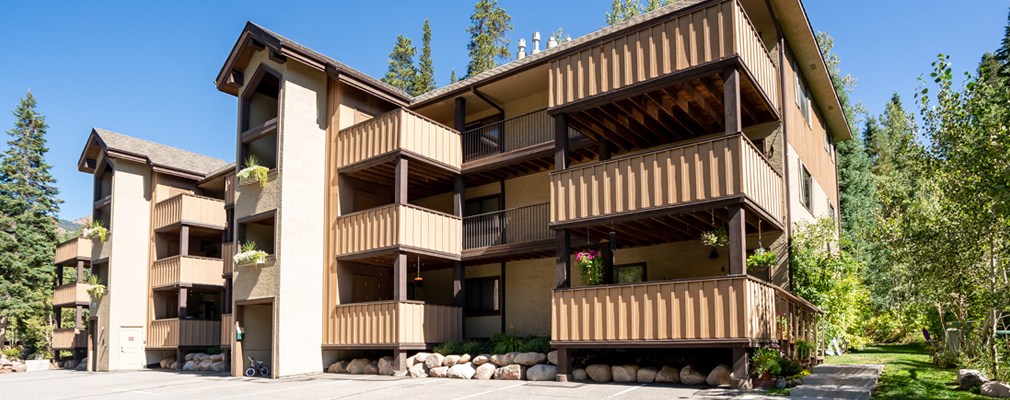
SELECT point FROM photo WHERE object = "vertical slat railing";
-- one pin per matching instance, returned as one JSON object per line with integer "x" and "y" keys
{"x": 517, "y": 225}
{"x": 512, "y": 134}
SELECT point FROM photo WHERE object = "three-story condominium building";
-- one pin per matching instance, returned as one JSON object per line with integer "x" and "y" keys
{"x": 161, "y": 261}
{"x": 386, "y": 222}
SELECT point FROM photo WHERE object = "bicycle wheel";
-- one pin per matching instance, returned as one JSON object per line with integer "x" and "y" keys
{"x": 264, "y": 371}
{"x": 250, "y": 372}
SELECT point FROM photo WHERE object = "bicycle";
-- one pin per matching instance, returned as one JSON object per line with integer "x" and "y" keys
{"x": 256, "y": 366}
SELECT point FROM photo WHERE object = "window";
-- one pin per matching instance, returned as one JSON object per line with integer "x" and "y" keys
{"x": 482, "y": 296}
{"x": 806, "y": 186}
{"x": 802, "y": 94}
{"x": 831, "y": 210}
{"x": 629, "y": 273}
{"x": 259, "y": 229}
{"x": 481, "y": 205}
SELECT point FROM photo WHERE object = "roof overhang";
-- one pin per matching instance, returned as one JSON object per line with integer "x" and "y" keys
{"x": 96, "y": 145}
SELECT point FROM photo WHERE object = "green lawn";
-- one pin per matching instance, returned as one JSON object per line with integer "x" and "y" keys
{"x": 909, "y": 373}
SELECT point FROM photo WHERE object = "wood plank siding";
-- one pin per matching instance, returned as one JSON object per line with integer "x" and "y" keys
{"x": 71, "y": 294}
{"x": 70, "y": 338}
{"x": 171, "y": 332}
{"x": 189, "y": 209}
{"x": 73, "y": 249}
{"x": 399, "y": 225}
{"x": 704, "y": 35}
{"x": 227, "y": 329}
{"x": 395, "y": 323}
{"x": 706, "y": 170}
{"x": 400, "y": 129}
{"x": 186, "y": 271}
{"x": 227, "y": 257}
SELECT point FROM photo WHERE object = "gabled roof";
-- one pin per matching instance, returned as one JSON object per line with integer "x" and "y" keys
{"x": 162, "y": 158}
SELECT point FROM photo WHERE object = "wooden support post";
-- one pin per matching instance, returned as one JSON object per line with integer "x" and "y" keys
{"x": 459, "y": 120}
{"x": 79, "y": 319}
{"x": 737, "y": 230}
{"x": 183, "y": 295}
{"x": 731, "y": 99}
{"x": 80, "y": 271}
{"x": 501, "y": 306}
{"x": 563, "y": 244}
{"x": 603, "y": 146}
{"x": 400, "y": 181}
{"x": 561, "y": 150}
{"x": 740, "y": 378}
{"x": 58, "y": 315}
{"x": 184, "y": 240}
{"x": 458, "y": 284}
{"x": 59, "y": 275}
{"x": 399, "y": 360}
{"x": 564, "y": 365}
{"x": 458, "y": 196}
{"x": 400, "y": 276}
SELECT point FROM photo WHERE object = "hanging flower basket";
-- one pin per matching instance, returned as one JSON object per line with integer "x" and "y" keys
{"x": 717, "y": 237}
{"x": 95, "y": 230}
{"x": 253, "y": 172}
{"x": 250, "y": 254}
{"x": 590, "y": 267}
{"x": 761, "y": 260}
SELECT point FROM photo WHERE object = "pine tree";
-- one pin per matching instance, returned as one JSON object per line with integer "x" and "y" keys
{"x": 560, "y": 37}
{"x": 28, "y": 207}
{"x": 452, "y": 76}
{"x": 424, "y": 82}
{"x": 623, "y": 10}
{"x": 488, "y": 45}
{"x": 401, "y": 72}
{"x": 1003, "y": 54}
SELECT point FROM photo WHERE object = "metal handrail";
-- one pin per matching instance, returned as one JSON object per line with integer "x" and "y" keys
{"x": 512, "y": 134}
{"x": 516, "y": 225}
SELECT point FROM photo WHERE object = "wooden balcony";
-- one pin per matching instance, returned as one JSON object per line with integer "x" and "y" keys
{"x": 73, "y": 294}
{"x": 394, "y": 324}
{"x": 187, "y": 271}
{"x": 671, "y": 180}
{"x": 172, "y": 333}
{"x": 520, "y": 233}
{"x": 227, "y": 329}
{"x": 399, "y": 226}
{"x": 72, "y": 250}
{"x": 707, "y": 311}
{"x": 189, "y": 209}
{"x": 401, "y": 130}
{"x": 70, "y": 338}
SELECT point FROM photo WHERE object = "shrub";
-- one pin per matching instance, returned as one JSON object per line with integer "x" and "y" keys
{"x": 254, "y": 171}
{"x": 506, "y": 342}
{"x": 789, "y": 367}
{"x": 12, "y": 353}
{"x": 539, "y": 344}
{"x": 214, "y": 350}
{"x": 449, "y": 348}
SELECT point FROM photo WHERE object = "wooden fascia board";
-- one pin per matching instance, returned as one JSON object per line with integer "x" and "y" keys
{"x": 345, "y": 78}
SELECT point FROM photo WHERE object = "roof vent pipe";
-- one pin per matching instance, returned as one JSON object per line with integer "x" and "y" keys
{"x": 551, "y": 43}
{"x": 536, "y": 43}
{"x": 522, "y": 50}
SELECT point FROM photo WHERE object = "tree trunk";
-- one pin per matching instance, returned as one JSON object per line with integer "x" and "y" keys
{"x": 3, "y": 330}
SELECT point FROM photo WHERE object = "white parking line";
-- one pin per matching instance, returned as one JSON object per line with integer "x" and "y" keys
{"x": 492, "y": 391}
{"x": 626, "y": 391}
{"x": 137, "y": 391}
{"x": 260, "y": 393}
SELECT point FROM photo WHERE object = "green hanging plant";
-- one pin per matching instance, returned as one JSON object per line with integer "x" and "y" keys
{"x": 95, "y": 287}
{"x": 95, "y": 229}
{"x": 761, "y": 260}
{"x": 254, "y": 171}
{"x": 590, "y": 265}
{"x": 716, "y": 237}
{"x": 250, "y": 254}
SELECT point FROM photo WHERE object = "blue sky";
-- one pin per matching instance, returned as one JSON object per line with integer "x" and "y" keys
{"x": 146, "y": 68}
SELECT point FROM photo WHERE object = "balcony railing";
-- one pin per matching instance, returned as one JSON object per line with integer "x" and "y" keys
{"x": 508, "y": 135}
{"x": 705, "y": 170}
{"x": 395, "y": 323}
{"x": 517, "y": 225}
{"x": 687, "y": 40}
{"x": 73, "y": 249}
{"x": 71, "y": 294}
{"x": 192, "y": 270}
{"x": 400, "y": 129}
{"x": 399, "y": 225}
{"x": 171, "y": 332}
{"x": 70, "y": 338}
{"x": 189, "y": 209}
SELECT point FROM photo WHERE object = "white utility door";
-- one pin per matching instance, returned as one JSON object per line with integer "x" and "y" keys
{"x": 131, "y": 345}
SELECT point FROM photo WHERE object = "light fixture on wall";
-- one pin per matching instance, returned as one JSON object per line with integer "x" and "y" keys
{"x": 418, "y": 281}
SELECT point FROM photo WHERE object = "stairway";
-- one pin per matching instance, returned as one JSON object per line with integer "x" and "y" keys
{"x": 837, "y": 381}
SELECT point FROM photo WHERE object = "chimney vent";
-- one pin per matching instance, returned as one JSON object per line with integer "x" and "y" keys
{"x": 536, "y": 43}
{"x": 522, "y": 50}
{"x": 551, "y": 43}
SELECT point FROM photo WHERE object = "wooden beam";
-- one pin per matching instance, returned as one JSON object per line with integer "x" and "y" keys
{"x": 617, "y": 129}
{"x": 731, "y": 99}
{"x": 400, "y": 181}
{"x": 563, "y": 264}
{"x": 561, "y": 155}
{"x": 685, "y": 108}
{"x": 459, "y": 116}
{"x": 400, "y": 276}
{"x": 737, "y": 241}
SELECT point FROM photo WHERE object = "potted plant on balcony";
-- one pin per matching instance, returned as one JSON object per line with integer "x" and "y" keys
{"x": 761, "y": 259}
{"x": 590, "y": 267}
{"x": 253, "y": 171}
{"x": 95, "y": 229}
{"x": 250, "y": 254}
{"x": 95, "y": 287}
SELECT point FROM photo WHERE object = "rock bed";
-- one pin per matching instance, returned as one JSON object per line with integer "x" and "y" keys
{"x": 197, "y": 362}
{"x": 527, "y": 366}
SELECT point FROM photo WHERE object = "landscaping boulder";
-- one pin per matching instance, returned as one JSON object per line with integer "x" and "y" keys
{"x": 198, "y": 357}
{"x": 482, "y": 359}
{"x": 204, "y": 365}
{"x": 781, "y": 383}
{"x": 647, "y": 374}
{"x": 175, "y": 365}
{"x": 599, "y": 373}
{"x": 386, "y": 366}
{"x": 372, "y": 368}
{"x": 529, "y": 359}
{"x": 580, "y": 374}
{"x": 970, "y": 378}
{"x": 19, "y": 367}
{"x": 449, "y": 361}
{"x": 689, "y": 376}
{"x": 462, "y": 371}
{"x": 84, "y": 363}
{"x": 400, "y": 374}
{"x": 416, "y": 359}
{"x": 996, "y": 389}
{"x": 438, "y": 372}
{"x": 542, "y": 372}
{"x": 668, "y": 375}
{"x": 189, "y": 366}
{"x": 217, "y": 357}
{"x": 720, "y": 376}
{"x": 339, "y": 367}
{"x": 484, "y": 371}
{"x": 502, "y": 360}
{"x": 463, "y": 359}
{"x": 418, "y": 371}
{"x": 357, "y": 365}
{"x": 434, "y": 360}
{"x": 511, "y": 372}
{"x": 189, "y": 356}
{"x": 219, "y": 366}
{"x": 552, "y": 357}
{"x": 624, "y": 373}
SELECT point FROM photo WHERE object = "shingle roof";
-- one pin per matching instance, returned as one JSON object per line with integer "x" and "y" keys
{"x": 159, "y": 154}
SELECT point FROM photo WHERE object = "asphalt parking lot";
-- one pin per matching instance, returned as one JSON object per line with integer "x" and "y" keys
{"x": 65, "y": 384}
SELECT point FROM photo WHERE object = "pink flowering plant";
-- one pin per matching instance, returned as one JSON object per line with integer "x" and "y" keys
{"x": 590, "y": 267}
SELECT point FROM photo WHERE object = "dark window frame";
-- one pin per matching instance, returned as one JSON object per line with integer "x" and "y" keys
{"x": 241, "y": 223}
{"x": 806, "y": 187}
{"x": 643, "y": 264}
{"x": 479, "y": 312}
{"x": 496, "y": 196}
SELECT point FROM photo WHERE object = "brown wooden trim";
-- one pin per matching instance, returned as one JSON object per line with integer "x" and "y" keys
{"x": 678, "y": 208}
{"x": 651, "y": 344}
{"x": 383, "y": 158}
{"x": 182, "y": 223}
{"x": 344, "y": 77}
{"x": 397, "y": 248}
{"x": 258, "y": 217}
{"x": 378, "y": 346}
{"x": 254, "y": 302}
{"x": 257, "y": 132}
{"x": 534, "y": 152}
